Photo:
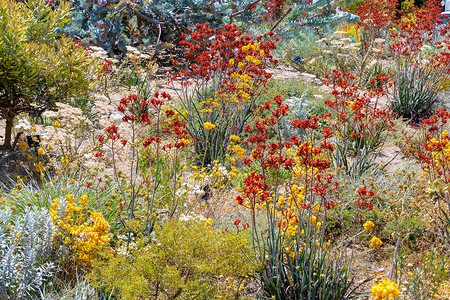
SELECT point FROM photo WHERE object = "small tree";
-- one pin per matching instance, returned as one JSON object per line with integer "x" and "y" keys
{"x": 38, "y": 66}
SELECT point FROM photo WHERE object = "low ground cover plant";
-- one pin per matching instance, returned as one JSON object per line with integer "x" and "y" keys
{"x": 187, "y": 259}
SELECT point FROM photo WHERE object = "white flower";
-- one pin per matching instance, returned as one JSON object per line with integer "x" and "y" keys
{"x": 341, "y": 55}
{"x": 97, "y": 49}
{"x": 99, "y": 55}
{"x": 144, "y": 56}
{"x": 180, "y": 192}
{"x": 184, "y": 218}
{"x": 337, "y": 43}
{"x": 23, "y": 124}
{"x": 131, "y": 49}
{"x": 50, "y": 114}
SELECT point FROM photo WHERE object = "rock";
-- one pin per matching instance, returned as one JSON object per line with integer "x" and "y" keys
{"x": 309, "y": 76}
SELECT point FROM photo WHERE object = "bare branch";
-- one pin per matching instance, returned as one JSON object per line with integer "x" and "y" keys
{"x": 281, "y": 19}
{"x": 171, "y": 20}
{"x": 246, "y": 8}
{"x": 151, "y": 20}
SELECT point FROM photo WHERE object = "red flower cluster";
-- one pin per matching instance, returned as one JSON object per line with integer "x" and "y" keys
{"x": 265, "y": 153}
{"x": 238, "y": 229}
{"x": 358, "y": 118}
{"x": 409, "y": 30}
{"x": 324, "y": 186}
{"x": 376, "y": 16}
{"x": 227, "y": 52}
{"x": 310, "y": 156}
{"x": 437, "y": 121}
{"x": 180, "y": 134}
{"x": 274, "y": 9}
{"x": 150, "y": 140}
{"x": 106, "y": 66}
{"x": 234, "y": 66}
{"x": 416, "y": 28}
{"x": 306, "y": 124}
{"x": 256, "y": 191}
{"x": 139, "y": 114}
{"x": 111, "y": 133}
{"x": 435, "y": 156}
{"x": 364, "y": 200}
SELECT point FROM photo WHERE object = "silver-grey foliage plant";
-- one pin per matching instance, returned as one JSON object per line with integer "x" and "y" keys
{"x": 25, "y": 252}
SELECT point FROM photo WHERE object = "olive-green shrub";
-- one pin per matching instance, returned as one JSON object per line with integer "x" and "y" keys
{"x": 185, "y": 260}
{"x": 38, "y": 66}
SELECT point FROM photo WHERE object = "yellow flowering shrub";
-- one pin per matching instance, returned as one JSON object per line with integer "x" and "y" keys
{"x": 235, "y": 138}
{"x": 375, "y": 242}
{"x": 440, "y": 151}
{"x": 208, "y": 126}
{"x": 385, "y": 289}
{"x": 244, "y": 84}
{"x": 41, "y": 151}
{"x": 23, "y": 146}
{"x": 83, "y": 232}
{"x": 368, "y": 225}
{"x": 39, "y": 167}
{"x": 239, "y": 151}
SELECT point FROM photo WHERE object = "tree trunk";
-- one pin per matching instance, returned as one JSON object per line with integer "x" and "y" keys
{"x": 8, "y": 133}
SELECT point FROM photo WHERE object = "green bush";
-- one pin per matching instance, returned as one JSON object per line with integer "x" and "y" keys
{"x": 38, "y": 67}
{"x": 185, "y": 260}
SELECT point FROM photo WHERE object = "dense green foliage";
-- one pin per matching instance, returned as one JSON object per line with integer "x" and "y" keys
{"x": 186, "y": 260}
{"x": 38, "y": 67}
